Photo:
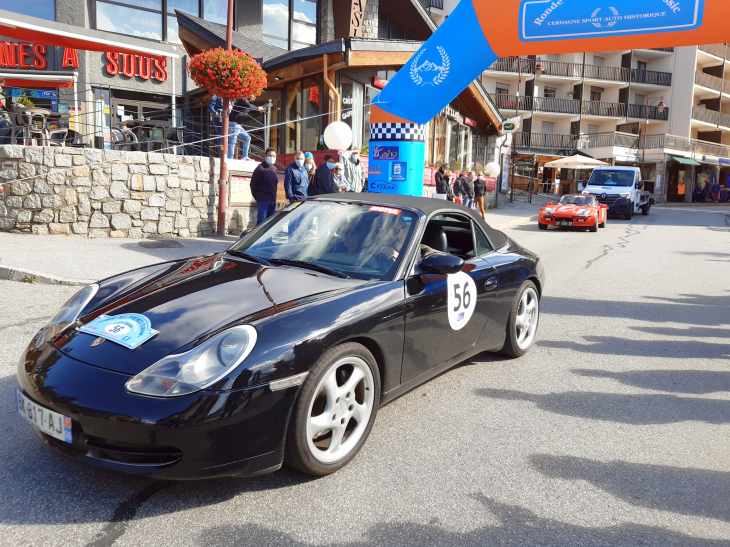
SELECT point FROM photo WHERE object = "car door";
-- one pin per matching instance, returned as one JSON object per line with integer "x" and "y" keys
{"x": 445, "y": 315}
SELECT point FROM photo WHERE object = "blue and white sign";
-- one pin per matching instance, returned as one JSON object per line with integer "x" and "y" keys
{"x": 400, "y": 171}
{"x": 566, "y": 19}
{"x": 130, "y": 330}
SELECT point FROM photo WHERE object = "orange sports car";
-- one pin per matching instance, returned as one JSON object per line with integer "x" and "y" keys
{"x": 574, "y": 210}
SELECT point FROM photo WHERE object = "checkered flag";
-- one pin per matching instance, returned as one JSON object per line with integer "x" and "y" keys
{"x": 412, "y": 132}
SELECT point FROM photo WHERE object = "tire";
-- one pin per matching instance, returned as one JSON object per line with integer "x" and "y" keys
{"x": 629, "y": 216}
{"x": 327, "y": 393}
{"x": 542, "y": 226}
{"x": 517, "y": 344}
{"x": 593, "y": 228}
{"x": 645, "y": 210}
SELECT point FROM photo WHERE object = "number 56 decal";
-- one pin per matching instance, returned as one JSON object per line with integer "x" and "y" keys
{"x": 462, "y": 300}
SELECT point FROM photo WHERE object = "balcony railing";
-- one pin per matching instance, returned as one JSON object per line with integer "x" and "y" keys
{"x": 712, "y": 82}
{"x": 723, "y": 119}
{"x": 557, "y": 106}
{"x": 668, "y": 49}
{"x": 437, "y": 4}
{"x": 607, "y": 140}
{"x": 607, "y": 110}
{"x": 557, "y": 68}
{"x": 548, "y": 140}
{"x": 510, "y": 102}
{"x": 609, "y": 73}
{"x": 718, "y": 50}
{"x": 510, "y": 64}
{"x": 640, "y": 111}
{"x": 705, "y": 115}
{"x": 651, "y": 77}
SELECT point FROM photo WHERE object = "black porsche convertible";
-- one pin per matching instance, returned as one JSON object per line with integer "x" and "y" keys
{"x": 282, "y": 348}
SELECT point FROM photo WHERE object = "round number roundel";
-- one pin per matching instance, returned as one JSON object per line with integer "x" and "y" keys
{"x": 462, "y": 299}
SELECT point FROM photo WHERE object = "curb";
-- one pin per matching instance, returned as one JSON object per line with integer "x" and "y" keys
{"x": 518, "y": 222}
{"x": 18, "y": 274}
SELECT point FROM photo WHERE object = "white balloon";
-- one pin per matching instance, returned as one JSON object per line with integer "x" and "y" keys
{"x": 492, "y": 169}
{"x": 338, "y": 136}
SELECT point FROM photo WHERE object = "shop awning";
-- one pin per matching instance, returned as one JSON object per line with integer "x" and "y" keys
{"x": 685, "y": 161}
{"x": 37, "y": 79}
{"x": 32, "y": 29}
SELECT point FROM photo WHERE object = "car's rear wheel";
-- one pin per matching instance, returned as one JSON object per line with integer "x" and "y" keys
{"x": 602, "y": 224}
{"x": 335, "y": 410}
{"x": 522, "y": 323}
{"x": 542, "y": 226}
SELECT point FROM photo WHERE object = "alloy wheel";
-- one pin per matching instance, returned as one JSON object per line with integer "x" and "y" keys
{"x": 527, "y": 317}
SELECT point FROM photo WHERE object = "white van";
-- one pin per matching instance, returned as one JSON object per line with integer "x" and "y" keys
{"x": 620, "y": 188}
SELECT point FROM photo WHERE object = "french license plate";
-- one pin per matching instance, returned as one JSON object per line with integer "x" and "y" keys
{"x": 51, "y": 423}
{"x": 563, "y": 223}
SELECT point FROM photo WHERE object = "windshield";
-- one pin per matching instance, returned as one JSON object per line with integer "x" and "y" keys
{"x": 611, "y": 177}
{"x": 351, "y": 239}
{"x": 583, "y": 201}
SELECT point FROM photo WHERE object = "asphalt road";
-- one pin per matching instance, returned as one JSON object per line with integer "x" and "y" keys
{"x": 613, "y": 430}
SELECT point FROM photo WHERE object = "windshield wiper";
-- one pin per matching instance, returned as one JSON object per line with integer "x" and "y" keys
{"x": 309, "y": 266}
{"x": 248, "y": 257}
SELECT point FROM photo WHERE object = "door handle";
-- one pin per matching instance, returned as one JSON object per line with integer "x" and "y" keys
{"x": 490, "y": 284}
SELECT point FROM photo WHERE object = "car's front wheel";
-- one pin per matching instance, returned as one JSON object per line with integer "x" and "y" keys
{"x": 522, "y": 322}
{"x": 542, "y": 226}
{"x": 335, "y": 410}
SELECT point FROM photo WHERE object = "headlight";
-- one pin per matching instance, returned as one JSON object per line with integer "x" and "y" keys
{"x": 584, "y": 212}
{"x": 67, "y": 315}
{"x": 625, "y": 195}
{"x": 198, "y": 368}
{"x": 548, "y": 211}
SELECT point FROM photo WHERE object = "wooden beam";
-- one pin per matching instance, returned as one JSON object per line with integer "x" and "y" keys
{"x": 379, "y": 58}
{"x": 191, "y": 39}
{"x": 304, "y": 69}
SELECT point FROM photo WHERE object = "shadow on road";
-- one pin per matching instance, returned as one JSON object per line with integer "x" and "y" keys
{"x": 690, "y": 309}
{"x": 696, "y": 492}
{"x": 668, "y": 349}
{"x": 516, "y": 526}
{"x": 697, "y": 382}
{"x": 626, "y": 409}
{"x": 692, "y": 332}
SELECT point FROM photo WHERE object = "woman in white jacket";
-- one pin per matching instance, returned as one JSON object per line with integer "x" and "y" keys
{"x": 354, "y": 170}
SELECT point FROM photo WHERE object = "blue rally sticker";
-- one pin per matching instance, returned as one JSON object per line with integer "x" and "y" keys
{"x": 566, "y": 19}
{"x": 130, "y": 330}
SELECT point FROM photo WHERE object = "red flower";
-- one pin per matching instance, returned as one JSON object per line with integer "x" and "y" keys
{"x": 229, "y": 74}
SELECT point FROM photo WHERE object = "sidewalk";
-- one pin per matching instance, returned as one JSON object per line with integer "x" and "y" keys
{"x": 78, "y": 260}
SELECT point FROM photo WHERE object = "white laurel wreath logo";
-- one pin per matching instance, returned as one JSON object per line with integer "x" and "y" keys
{"x": 441, "y": 71}
{"x": 612, "y": 23}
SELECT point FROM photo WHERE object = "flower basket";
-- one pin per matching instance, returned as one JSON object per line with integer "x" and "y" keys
{"x": 228, "y": 74}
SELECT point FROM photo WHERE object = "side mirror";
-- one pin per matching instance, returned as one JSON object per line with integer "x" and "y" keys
{"x": 604, "y": 206}
{"x": 442, "y": 263}
{"x": 550, "y": 203}
{"x": 639, "y": 185}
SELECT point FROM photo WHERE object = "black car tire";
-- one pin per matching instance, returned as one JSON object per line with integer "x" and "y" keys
{"x": 602, "y": 224}
{"x": 630, "y": 215}
{"x": 298, "y": 451}
{"x": 542, "y": 226}
{"x": 593, "y": 228}
{"x": 511, "y": 347}
{"x": 645, "y": 210}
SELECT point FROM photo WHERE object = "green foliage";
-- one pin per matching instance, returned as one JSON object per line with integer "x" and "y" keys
{"x": 30, "y": 279}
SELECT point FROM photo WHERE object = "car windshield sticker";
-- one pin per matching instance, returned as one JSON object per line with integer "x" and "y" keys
{"x": 293, "y": 206}
{"x": 388, "y": 210}
{"x": 462, "y": 299}
{"x": 332, "y": 212}
{"x": 130, "y": 330}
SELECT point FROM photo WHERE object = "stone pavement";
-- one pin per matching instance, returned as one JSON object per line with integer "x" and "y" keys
{"x": 79, "y": 260}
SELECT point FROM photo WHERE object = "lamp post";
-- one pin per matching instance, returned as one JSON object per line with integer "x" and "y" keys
{"x": 537, "y": 71}
{"x": 223, "y": 180}
{"x": 660, "y": 107}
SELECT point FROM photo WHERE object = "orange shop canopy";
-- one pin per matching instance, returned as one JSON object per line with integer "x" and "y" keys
{"x": 36, "y": 79}
{"x": 32, "y": 29}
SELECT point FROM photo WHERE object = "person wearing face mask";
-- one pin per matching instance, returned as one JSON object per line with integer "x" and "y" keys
{"x": 467, "y": 187}
{"x": 343, "y": 184}
{"x": 296, "y": 179}
{"x": 264, "y": 183}
{"x": 355, "y": 171}
{"x": 324, "y": 179}
{"x": 310, "y": 167}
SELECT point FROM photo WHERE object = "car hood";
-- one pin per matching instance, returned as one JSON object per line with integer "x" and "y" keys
{"x": 192, "y": 298}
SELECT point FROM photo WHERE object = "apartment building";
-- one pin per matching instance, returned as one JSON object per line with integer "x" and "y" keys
{"x": 667, "y": 109}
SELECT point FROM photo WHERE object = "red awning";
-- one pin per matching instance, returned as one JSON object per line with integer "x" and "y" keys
{"x": 16, "y": 82}
{"x": 37, "y": 79}
{"x": 32, "y": 29}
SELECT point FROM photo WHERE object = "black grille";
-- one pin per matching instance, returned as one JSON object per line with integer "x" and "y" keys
{"x": 103, "y": 449}
{"x": 608, "y": 200}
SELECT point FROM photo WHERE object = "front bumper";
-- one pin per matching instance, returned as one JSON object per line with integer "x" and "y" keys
{"x": 554, "y": 220}
{"x": 205, "y": 434}
{"x": 621, "y": 206}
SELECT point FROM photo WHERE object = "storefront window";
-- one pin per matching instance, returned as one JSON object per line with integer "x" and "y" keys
{"x": 305, "y": 103}
{"x": 43, "y": 9}
{"x": 464, "y": 133}
{"x": 453, "y": 145}
{"x": 276, "y": 23}
{"x": 353, "y": 95}
{"x": 370, "y": 94}
{"x": 388, "y": 29}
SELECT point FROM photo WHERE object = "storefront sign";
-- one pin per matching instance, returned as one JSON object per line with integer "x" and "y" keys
{"x": 349, "y": 16}
{"x": 380, "y": 83}
{"x": 32, "y": 55}
{"x": 469, "y": 122}
{"x": 388, "y": 153}
{"x": 136, "y": 65}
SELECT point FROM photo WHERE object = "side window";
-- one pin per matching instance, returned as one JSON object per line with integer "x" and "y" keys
{"x": 457, "y": 235}
{"x": 483, "y": 246}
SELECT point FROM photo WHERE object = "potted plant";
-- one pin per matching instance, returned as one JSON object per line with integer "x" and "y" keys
{"x": 227, "y": 74}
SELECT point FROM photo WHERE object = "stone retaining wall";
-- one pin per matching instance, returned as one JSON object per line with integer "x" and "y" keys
{"x": 108, "y": 193}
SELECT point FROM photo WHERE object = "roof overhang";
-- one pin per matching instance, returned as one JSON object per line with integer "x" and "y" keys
{"x": 33, "y": 29}
{"x": 24, "y": 78}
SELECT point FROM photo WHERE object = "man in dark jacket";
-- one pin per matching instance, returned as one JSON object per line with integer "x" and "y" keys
{"x": 467, "y": 187}
{"x": 443, "y": 184}
{"x": 264, "y": 183}
{"x": 439, "y": 177}
{"x": 296, "y": 179}
{"x": 236, "y": 118}
{"x": 324, "y": 180}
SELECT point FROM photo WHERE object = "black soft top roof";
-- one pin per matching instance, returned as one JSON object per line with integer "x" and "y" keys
{"x": 427, "y": 205}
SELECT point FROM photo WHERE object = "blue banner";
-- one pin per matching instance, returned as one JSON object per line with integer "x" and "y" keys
{"x": 446, "y": 64}
{"x": 570, "y": 19}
